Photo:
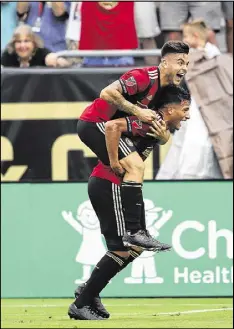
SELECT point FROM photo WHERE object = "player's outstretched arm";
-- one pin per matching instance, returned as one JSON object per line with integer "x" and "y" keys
{"x": 113, "y": 95}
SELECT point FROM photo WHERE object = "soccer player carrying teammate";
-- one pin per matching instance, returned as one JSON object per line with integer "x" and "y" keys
{"x": 104, "y": 193}
{"x": 135, "y": 93}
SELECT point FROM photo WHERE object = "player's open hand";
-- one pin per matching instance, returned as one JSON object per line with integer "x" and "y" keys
{"x": 158, "y": 130}
{"x": 117, "y": 168}
{"x": 146, "y": 115}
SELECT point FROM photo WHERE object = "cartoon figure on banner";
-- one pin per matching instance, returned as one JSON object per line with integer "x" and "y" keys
{"x": 144, "y": 266}
{"x": 92, "y": 247}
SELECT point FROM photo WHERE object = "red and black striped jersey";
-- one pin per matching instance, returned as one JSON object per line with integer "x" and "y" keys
{"x": 144, "y": 144}
{"x": 140, "y": 86}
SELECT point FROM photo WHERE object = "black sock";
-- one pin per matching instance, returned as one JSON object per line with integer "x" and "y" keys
{"x": 143, "y": 224}
{"x": 132, "y": 199}
{"x": 106, "y": 269}
{"x": 133, "y": 254}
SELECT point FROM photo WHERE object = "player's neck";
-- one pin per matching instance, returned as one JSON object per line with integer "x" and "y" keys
{"x": 163, "y": 77}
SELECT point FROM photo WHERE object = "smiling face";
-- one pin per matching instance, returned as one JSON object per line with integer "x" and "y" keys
{"x": 175, "y": 67}
{"x": 175, "y": 113}
{"x": 24, "y": 46}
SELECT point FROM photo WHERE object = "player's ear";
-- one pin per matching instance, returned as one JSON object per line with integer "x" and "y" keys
{"x": 164, "y": 62}
{"x": 170, "y": 110}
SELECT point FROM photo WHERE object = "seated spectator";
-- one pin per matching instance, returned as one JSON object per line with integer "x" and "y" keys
{"x": 108, "y": 25}
{"x": 210, "y": 12}
{"x": 48, "y": 19}
{"x": 8, "y": 21}
{"x": 147, "y": 28}
{"x": 26, "y": 49}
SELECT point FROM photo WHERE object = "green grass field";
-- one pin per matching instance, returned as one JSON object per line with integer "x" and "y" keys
{"x": 125, "y": 313}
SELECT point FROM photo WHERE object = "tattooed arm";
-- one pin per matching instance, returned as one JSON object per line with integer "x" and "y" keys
{"x": 113, "y": 95}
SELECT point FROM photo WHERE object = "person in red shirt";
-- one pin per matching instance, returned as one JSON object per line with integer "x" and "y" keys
{"x": 136, "y": 93}
{"x": 104, "y": 188}
{"x": 108, "y": 25}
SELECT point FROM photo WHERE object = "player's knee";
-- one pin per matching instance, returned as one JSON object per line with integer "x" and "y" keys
{"x": 124, "y": 254}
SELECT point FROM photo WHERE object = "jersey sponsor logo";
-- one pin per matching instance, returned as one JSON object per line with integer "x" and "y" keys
{"x": 137, "y": 124}
{"x": 130, "y": 82}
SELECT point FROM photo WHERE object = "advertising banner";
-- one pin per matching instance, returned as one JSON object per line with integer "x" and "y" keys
{"x": 46, "y": 248}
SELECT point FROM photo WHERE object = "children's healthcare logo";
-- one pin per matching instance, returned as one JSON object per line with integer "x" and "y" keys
{"x": 92, "y": 247}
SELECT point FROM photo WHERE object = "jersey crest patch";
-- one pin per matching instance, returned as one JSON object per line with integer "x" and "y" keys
{"x": 137, "y": 124}
{"x": 130, "y": 82}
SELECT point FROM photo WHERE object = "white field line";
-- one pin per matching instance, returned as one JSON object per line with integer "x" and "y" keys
{"x": 198, "y": 311}
{"x": 114, "y": 305}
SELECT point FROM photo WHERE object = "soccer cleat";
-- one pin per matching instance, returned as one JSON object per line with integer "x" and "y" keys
{"x": 164, "y": 246}
{"x": 83, "y": 313}
{"x": 144, "y": 240}
{"x": 96, "y": 303}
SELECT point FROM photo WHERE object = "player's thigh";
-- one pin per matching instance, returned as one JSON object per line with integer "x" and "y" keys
{"x": 177, "y": 10}
{"x": 133, "y": 162}
{"x": 106, "y": 200}
{"x": 210, "y": 12}
{"x": 91, "y": 135}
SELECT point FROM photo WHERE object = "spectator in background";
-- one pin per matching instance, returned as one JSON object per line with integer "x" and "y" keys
{"x": 26, "y": 49}
{"x": 203, "y": 147}
{"x": 174, "y": 14}
{"x": 48, "y": 19}
{"x": 73, "y": 31}
{"x": 227, "y": 7}
{"x": 8, "y": 21}
{"x": 74, "y": 26}
{"x": 147, "y": 28}
{"x": 108, "y": 25}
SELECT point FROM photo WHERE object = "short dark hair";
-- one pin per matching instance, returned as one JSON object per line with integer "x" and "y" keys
{"x": 174, "y": 47}
{"x": 172, "y": 94}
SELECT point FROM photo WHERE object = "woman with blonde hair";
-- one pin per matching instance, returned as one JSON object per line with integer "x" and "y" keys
{"x": 26, "y": 49}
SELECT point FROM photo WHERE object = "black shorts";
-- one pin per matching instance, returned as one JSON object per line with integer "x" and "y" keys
{"x": 92, "y": 134}
{"x": 106, "y": 201}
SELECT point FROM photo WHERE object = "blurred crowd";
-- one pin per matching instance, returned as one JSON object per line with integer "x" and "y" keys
{"x": 32, "y": 32}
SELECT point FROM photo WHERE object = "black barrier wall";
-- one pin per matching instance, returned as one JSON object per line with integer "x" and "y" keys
{"x": 40, "y": 108}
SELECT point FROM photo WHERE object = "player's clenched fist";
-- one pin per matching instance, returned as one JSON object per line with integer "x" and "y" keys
{"x": 145, "y": 115}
